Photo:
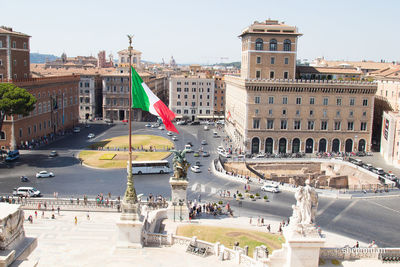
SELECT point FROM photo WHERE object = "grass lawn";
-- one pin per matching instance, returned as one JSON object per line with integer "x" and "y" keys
{"x": 138, "y": 141}
{"x": 228, "y": 236}
{"x": 102, "y": 159}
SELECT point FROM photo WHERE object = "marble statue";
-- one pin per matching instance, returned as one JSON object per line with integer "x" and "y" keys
{"x": 180, "y": 165}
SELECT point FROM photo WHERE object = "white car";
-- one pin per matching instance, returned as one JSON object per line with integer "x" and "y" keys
{"x": 224, "y": 154}
{"x": 220, "y": 149}
{"x": 169, "y": 133}
{"x": 91, "y": 135}
{"x": 270, "y": 188}
{"x": 77, "y": 130}
{"x": 26, "y": 191}
{"x": 181, "y": 123}
{"x": 148, "y": 125}
{"x": 174, "y": 138}
{"x": 161, "y": 128}
{"x": 195, "y": 169}
{"x": 44, "y": 174}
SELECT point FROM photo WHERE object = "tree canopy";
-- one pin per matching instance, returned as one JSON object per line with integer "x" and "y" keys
{"x": 15, "y": 101}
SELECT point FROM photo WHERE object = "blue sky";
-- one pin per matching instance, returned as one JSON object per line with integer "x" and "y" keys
{"x": 206, "y": 30}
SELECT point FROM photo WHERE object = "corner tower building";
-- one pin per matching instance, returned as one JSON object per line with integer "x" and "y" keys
{"x": 268, "y": 110}
{"x": 269, "y": 50}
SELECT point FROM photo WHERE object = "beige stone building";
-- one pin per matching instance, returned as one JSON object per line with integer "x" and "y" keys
{"x": 288, "y": 116}
{"x": 192, "y": 96}
{"x": 269, "y": 50}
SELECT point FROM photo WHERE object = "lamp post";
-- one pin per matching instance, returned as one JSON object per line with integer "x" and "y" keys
{"x": 181, "y": 202}
{"x": 174, "y": 204}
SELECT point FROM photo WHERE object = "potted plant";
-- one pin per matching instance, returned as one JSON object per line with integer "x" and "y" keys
{"x": 240, "y": 196}
{"x": 258, "y": 195}
{"x": 266, "y": 198}
{"x": 252, "y": 198}
{"x": 246, "y": 193}
{"x": 220, "y": 202}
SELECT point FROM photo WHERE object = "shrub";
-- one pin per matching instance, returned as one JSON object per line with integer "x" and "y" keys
{"x": 220, "y": 202}
{"x": 240, "y": 195}
{"x": 265, "y": 197}
{"x": 257, "y": 194}
{"x": 251, "y": 196}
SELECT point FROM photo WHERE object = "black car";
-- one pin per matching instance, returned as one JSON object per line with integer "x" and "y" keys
{"x": 24, "y": 179}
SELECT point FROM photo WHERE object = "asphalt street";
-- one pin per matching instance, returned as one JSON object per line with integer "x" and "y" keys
{"x": 362, "y": 219}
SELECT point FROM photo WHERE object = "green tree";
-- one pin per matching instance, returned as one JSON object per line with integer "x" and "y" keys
{"x": 14, "y": 101}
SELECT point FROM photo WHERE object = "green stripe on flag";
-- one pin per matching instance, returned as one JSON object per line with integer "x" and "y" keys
{"x": 139, "y": 96}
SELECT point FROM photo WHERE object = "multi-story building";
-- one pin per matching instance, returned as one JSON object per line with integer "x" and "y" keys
{"x": 269, "y": 50}
{"x": 102, "y": 62}
{"x": 56, "y": 108}
{"x": 14, "y": 54}
{"x": 192, "y": 96}
{"x": 219, "y": 96}
{"x": 116, "y": 94}
{"x": 123, "y": 58}
{"x": 56, "y": 111}
{"x": 90, "y": 96}
{"x": 287, "y": 116}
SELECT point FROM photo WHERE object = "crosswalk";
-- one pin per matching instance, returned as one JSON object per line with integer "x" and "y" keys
{"x": 207, "y": 190}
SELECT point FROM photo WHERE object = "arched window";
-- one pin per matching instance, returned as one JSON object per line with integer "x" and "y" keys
{"x": 287, "y": 45}
{"x": 361, "y": 145}
{"x": 255, "y": 145}
{"x": 273, "y": 45}
{"x": 259, "y": 44}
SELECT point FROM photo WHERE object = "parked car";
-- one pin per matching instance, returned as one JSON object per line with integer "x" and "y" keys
{"x": 161, "y": 128}
{"x": 270, "y": 188}
{"x": 12, "y": 155}
{"x": 203, "y": 142}
{"x": 205, "y": 154}
{"x": 390, "y": 176}
{"x": 195, "y": 169}
{"x": 221, "y": 122}
{"x": 181, "y": 123}
{"x": 77, "y": 130}
{"x": 367, "y": 166}
{"x": 44, "y": 174}
{"x": 26, "y": 191}
{"x": 378, "y": 170}
{"x": 87, "y": 125}
{"x": 53, "y": 154}
{"x": 148, "y": 125}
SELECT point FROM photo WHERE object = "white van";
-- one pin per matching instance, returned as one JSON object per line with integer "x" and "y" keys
{"x": 26, "y": 191}
{"x": 188, "y": 149}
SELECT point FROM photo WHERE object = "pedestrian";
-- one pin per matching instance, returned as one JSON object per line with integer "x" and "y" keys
{"x": 269, "y": 228}
{"x": 250, "y": 220}
{"x": 35, "y": 214}
{"x": 357, "y": 245}
{"x": 58, "y": 210}
{"x": 262, "y": 221}
{"x": 87, "y": 216}
{"x": 76, "y": 220}
{"x": 42, "y": 214}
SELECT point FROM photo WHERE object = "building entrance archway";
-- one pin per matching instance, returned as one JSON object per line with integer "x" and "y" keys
{"x": 349, "y": 145}
{"x": 322, "y": 145}
{"x": 296, "y": 145}
{"x": 309, "y": 145}
{"x": 269, "y": 145}
{"x": 255, "y": 145}
{"x": 335, "y": 145}
{"x": 282, "y": 145}
{"x": 361, "y": 145}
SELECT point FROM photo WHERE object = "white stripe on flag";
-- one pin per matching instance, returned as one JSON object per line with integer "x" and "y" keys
{"x": 152, "y": 99}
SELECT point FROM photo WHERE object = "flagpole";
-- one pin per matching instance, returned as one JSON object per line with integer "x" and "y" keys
{"x": 130, "y": 193}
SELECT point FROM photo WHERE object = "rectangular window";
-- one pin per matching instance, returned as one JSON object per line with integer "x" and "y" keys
{"x": 310, "y": 125}
{"x": 352, "y": 101}
{"x": 283, "y": 124}
{"x": 286, "y": 60}
{"x": 14, "y": 45}
{"x": 258, "y": 74}
{"x": 270, "y": 124}
{"x": 270, "y": 100}
{"x": 337, "y": 125}
{"x": 311, "y": 112}
{"x": 185, "y": 96}
{"x": 178, "y": 111}
{"x": 283, "y": 112}
{"x": 178, "y": 103}
{"x": 193, "y": 111}
{"x": 297, "y": 112}
{"x": 178, "y": 89}
{"x": 324, "y": 125}
{"x": 193, "y": 89}
{"x": 24, "y": 45}
{"x": 365, "y": 102}
{"x": 286, "y": 75}
{"x": 271, "y": 75}
{"x": 193, "y": 104}
{"x": 350, "y": 126}
{"x": 337, "y": 113}
{"x": 364, "y": 114}
{"x": 256, "y": 123}
{"x": 325, "y": 101}
{"x": 324, "y": 113}
{"x": 298, "y": 100}
{"x": 297, "y": 125}
{"x": 284, "y": 100}
{"x": 1, "y": 44}
{"x": 258, "y": 60}
{"x": 185, "y": 111}
{"x": 186, "y": 89}
{"x": 270, "y": 112}
{"x": 257, "y": 100}
{"x": 338, "y": 101}
{"x": 351, "y": 113}
{"x": 272, "y": 60}
{"x": 363, "y": 126}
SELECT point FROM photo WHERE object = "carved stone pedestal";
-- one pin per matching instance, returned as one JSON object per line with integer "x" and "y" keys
{"x": 178, "y": 209}
{"x": 303, "y": 246}
{"x": 130, "y": 227}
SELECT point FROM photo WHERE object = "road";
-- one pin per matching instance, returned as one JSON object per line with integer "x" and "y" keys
{"x": 361, "y": 219}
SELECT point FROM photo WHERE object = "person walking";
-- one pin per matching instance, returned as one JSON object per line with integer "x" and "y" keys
{"x": 58, "y": 210}
{"x": 76, "y": 220}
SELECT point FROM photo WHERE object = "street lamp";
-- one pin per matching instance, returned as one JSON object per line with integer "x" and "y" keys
{"x": 174, "y": 204}
{"x": 181, "y": 201}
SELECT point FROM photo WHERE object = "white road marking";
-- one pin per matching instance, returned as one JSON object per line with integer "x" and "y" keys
{"x": 380, "y": 205}
{"x": 203, "y": 188}
{"x": 343, "y": 212}
{"x": 213, "y": 190}
{"x": 194, "y": 187}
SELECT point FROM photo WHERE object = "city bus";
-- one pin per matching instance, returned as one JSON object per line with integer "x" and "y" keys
{"x": 153, "y": 166}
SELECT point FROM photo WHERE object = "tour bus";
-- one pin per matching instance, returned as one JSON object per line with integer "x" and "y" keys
{"x": 153, "y": 166}
{"x": 12, "y": 155}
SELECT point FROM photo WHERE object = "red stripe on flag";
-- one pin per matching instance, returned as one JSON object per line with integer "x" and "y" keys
{"x": 166, "y": 115}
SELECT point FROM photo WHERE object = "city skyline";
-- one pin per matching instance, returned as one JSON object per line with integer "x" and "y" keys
{"x": 205, "y": 32}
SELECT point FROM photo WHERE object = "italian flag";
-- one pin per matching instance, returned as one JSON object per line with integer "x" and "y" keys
{"x": 145, "y": 99}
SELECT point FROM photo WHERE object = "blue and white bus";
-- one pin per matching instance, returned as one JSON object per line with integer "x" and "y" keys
{"x": 152, "y": 166}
